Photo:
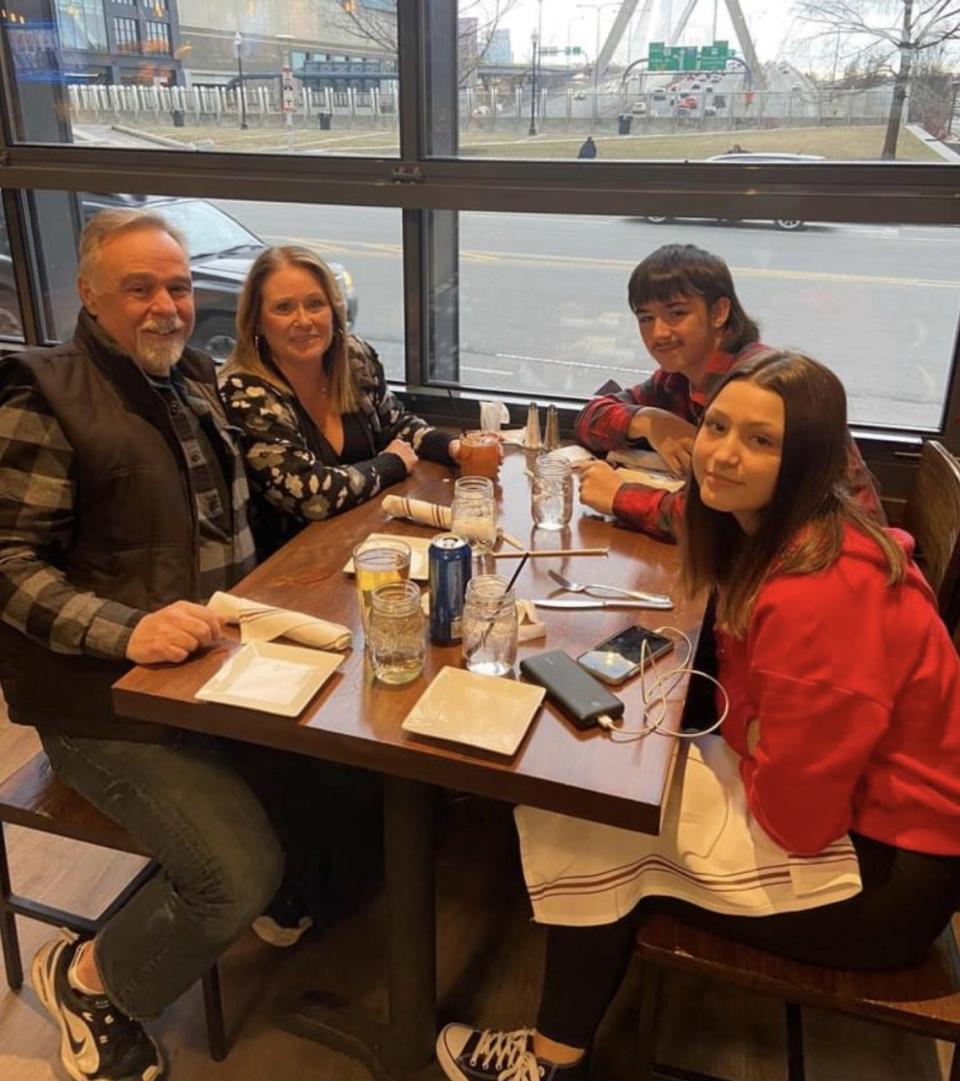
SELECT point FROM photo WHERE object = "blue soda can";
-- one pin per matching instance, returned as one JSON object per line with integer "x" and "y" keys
{"x": 451, "y": 564}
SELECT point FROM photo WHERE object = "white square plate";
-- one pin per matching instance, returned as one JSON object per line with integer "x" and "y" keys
{"x": 271, "y": 677}
{"x": 419, "y": 559}
{"x": 488, "y": 712}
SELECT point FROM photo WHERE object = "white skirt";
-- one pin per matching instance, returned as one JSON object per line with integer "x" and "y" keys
{"x": 710, "y": 852}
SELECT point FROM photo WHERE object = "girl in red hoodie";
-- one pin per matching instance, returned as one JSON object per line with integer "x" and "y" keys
{"x": 844, "y": 710}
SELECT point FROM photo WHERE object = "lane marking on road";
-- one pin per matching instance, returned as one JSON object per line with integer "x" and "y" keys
{"x": 587, "y": 262}
{"x": 486, "y": 371}
{"x": 566, "y": 363}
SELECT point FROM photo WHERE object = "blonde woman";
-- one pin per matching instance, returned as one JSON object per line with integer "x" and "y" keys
{"x": 321, "y": 430}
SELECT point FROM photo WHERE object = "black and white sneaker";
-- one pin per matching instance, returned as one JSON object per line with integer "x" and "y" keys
{"x": 97, "y": 1041}
{"x": 473, "y": 1054}
{"x": 284, "y": 922}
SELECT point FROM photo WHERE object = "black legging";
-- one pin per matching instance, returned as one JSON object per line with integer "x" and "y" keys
{"x": 907, "y": 900}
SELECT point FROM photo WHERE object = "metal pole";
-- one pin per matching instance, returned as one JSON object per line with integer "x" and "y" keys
{"x": 289, "y": 112}
{"x": 533, "y": 83}
{"x": 596, "y": 64}
{"x": 238, "y": 46}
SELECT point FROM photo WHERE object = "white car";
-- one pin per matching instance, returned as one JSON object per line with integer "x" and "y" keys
{"x": 745, "y": 157}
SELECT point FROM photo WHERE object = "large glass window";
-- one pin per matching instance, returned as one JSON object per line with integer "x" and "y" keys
{"x": 361, "y": 245}
{"x": 10, "y": 323}
{"x": 264, "y": 77}
{"x": 82, "y": 25}
{"x": 656, "y": 79}
{"x": 879, "y": 304}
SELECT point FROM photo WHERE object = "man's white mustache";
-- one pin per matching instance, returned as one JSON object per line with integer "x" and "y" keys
{"x": 163, "y": 326}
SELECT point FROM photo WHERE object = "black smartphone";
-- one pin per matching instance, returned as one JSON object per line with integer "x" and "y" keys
{"x": 617, "y": 658}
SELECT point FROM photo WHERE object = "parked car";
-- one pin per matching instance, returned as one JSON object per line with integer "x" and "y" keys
{"x": 639, "y": 108}
{"x": 221, "y": 252}
{"x": 688, "y": 102}
{"x": 789, "y": 225}
{"x": 659, "y": 95}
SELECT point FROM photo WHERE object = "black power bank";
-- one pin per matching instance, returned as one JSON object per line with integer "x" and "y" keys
{"x": 570, "y": 688}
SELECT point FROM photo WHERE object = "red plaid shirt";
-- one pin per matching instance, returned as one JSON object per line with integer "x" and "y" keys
{"x": 604, "y": 422}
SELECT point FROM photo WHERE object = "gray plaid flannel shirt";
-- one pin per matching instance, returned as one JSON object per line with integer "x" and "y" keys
{"x": 37, "y": 498}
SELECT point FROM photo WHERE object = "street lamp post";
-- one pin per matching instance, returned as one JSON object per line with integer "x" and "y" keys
{"x": 535, "y": 43}
{"x": 287, "y": 84}
{"x": 238, "y": 52}
{"x": 597, "y": 10}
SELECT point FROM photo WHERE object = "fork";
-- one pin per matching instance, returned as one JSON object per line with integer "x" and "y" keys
{"x": 596, "y": 590}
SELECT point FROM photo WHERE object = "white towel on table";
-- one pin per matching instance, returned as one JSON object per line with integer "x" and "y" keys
{"x": 263, "y": 623}
{"x": 710, "y": 852}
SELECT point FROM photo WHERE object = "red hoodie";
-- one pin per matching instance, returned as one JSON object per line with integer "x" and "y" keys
{"x": 856, "y": 685}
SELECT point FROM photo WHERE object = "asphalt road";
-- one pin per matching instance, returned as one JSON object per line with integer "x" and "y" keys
{"x": 543, "y": 297}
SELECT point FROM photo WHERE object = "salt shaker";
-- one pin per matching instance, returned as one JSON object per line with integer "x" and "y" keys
{"x": 531, "y": 439}
{"x": 551, "y": 435}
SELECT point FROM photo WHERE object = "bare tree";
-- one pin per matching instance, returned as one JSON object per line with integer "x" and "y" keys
{"x": 896, "y": 32}
{"x": 477, "y": 19}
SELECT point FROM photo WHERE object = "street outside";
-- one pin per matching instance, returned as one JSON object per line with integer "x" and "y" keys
{"x": 543, "y": 297}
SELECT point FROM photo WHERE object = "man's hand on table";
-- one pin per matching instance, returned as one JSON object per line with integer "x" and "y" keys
{"x": 599, "y": 484}
{"x": 669, "y": 435}
{"x": 173, "y": 633}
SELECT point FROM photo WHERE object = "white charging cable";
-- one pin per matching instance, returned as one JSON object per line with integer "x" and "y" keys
{"x": 652, "y": 723}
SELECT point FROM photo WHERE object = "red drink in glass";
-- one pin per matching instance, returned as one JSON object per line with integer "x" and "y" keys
{"x": 480, "y": 455}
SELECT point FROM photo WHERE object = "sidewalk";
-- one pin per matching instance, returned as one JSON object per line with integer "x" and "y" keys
{"x": 935, "y": 145}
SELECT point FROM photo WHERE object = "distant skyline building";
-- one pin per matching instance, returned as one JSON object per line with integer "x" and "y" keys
{"x": 500, "y": 48}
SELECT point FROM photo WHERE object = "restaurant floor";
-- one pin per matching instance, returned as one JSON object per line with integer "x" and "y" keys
{"x": 490, "y": 963}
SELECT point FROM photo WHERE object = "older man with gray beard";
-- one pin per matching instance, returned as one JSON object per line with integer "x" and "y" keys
{"x": 123, "y": 506}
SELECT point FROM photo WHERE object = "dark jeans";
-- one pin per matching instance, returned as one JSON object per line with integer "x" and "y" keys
{"x": 329, "y": 820}
{"x": 220, "y": 861}
{"x": 907, "y": 900}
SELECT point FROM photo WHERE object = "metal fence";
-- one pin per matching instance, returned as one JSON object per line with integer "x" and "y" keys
{"x": 202, "y": 105}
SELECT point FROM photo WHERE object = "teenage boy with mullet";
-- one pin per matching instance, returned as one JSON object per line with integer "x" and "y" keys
{"x": 694, "y": 326}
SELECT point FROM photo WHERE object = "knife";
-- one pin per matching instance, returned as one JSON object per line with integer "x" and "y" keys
{"x": 652, "y": 600}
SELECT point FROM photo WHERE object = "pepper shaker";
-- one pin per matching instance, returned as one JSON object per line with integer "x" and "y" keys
{"x": 531, "y": 438}
{"x": 551, "y": 436}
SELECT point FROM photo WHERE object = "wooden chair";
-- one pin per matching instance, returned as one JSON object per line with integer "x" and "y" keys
{"x": 34, "y": 798}
{"x": 924, "y": 999}
{"x": 932, "y": 515}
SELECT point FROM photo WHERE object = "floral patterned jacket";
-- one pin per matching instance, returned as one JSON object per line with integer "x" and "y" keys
{"x": 295, "y": 475}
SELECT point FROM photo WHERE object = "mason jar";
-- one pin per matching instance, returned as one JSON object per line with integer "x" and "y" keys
{"x": 396, "y": 633}
{"x": 489, "y": 626}
{"x": 551, "y": 497}
{"x": 473, "y": 515}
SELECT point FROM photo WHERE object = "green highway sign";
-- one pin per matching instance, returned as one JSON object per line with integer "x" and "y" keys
{"x": 663, "y": 57}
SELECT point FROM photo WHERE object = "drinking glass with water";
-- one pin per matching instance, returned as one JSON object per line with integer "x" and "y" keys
{"x": 489, "y": 626}
{"x": 474, "y": 513}
{"x": 396, "y": 634}
{"x": 552, "y": 493}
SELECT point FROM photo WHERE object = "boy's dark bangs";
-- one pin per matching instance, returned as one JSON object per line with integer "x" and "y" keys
{"x": 662, "y": 285}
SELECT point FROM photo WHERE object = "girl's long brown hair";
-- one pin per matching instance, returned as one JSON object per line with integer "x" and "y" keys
{"x": 251, "y": 353}
{"x": 801, "y": 530}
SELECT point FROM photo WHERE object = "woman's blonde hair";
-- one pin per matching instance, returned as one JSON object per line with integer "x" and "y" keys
{"x": 801, "y": 530}
{"x": 251, "y": 353}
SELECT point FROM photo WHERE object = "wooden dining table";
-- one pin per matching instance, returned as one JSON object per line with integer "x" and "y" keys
{"x": 356, "y": 720}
